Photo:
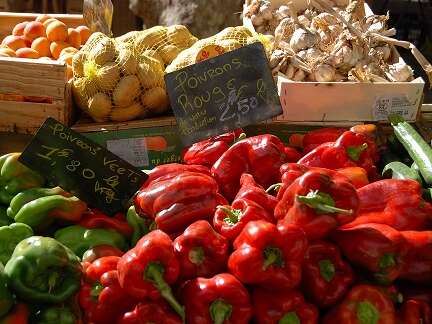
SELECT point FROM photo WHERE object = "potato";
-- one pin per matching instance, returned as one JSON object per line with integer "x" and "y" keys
{"x": 150, "y": 74}
{"x": 78, "y": 63}
{"x": 238, "y": 32}
{"x": 104, "y": 51}
{"x": 99, "y": 107}
{"x": 128, "y": 37}
{"x": 155, "y": 100}
{"x": 153, "y": 54}
{"x": 180, "y": 36}
{"x": 126, "y": 91}
{"x": 127, "y": 113}
{"x": 107, "y": 76}
{"x": 169, "y": 53}
{"x": 82, "y": 89}
{"x": 151, "y": 37}
{"x": 229, "y": 44}
{"x": 127, "y": 61}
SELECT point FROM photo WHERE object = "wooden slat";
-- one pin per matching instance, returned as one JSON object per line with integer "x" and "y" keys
{"x": 84, "y": 125}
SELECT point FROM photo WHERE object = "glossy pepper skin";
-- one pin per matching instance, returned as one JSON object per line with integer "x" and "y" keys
{"x": 19, "y": 315}
{"x": 283, "y": 307}
{"x": 43, "y": 270}
{"x": 101, "y": 297}
{"x": 97, "y": 219}
{"x": 4, "y": 218}
{"x": 268, "y": 256}
{"x": 207, "y": 152}
{"x": 97, "y": 252}
{"x": 363, "y": 304}
{"x": 10, "y": 236}
{"x": 415, "y": 312}
{"x": 221, "y": 299}
{"x": 417, "y": 263}
{"x": 201, "y": 251}
{"x": 326, "y": 276}
{"x": 319, "y": 201}
{"x": 147, "y": 270}
{"x": 229, "y": 221}
{"x": 315, "y": 138}
{"x": 140, "y": 225}
{"x": 377, "y": 248}
{"x": 167, "y": 171}
{"x": 56, "y": 315}
{"x": 349, "y": 150}
{"x": 151, "y": 312}
{"x": 178, "y": 201}
{"x": 6, "y": 298}
{"x": 394, "y": 202}
{"x": 16, "y": 177}
{"x": 250, "y": 190}
{"x": 261, "y": 156}
{"x": 80, "y": 239}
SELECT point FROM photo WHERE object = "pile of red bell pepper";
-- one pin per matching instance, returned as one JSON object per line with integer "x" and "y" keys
{"x": 249, "y": 230}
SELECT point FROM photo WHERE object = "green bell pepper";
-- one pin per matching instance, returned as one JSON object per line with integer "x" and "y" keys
{"x": 138, "y": 224}
{"x": 6, "y": 297}
{"x": 4, "y": 219}
{"x": 80, "y": 239}
{"x": 10, "y": 236}
{"x": 16, "y": 177}
{"x": 56, "y": 315}
{"x": 42, "y": 211}
{"x": 42, "y": 270}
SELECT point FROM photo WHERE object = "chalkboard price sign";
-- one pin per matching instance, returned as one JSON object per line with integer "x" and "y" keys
{"x": 219, "y": 94}
{"x": 82, "y": 167}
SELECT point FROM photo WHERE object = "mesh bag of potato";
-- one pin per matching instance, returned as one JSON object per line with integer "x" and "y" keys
{"x": 123, "y": 78}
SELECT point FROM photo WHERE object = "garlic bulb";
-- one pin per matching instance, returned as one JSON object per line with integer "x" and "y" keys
{"x": 266, "y": 12}
{"x": 324, "y": 73}
{"x": 289, "y": 71}
{"x": 302, "y": 39}
{"x": 385, "y": 51}
{"x": 304, "y": 21}
{"x": 257, "y": 20}
{"x": 282, "y": 12}
{"x": 299, "y": 75}
{"x": 400, "y": 72}
{"x": 275, "y": 58}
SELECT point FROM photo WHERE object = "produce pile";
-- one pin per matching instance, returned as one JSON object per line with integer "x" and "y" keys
{"x": 245, "y": 230}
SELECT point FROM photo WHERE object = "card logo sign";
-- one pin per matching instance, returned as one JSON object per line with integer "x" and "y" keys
{"x": 226, "y": 92}
{"x": 82, "y": 167}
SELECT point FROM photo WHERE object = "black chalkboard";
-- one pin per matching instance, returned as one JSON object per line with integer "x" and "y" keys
{"x": 226, "y": 92}
{"x": 82, "y": 167}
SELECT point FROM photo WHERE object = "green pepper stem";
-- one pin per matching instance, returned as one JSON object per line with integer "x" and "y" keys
{"x": 322, "y": 203}
{"x": 154, "y": 273}
{"x": 327, "y": 269}
{"x": 196, "y": 255}
{"x": 367, "y": 313}
{"x": 272, "y": 256}
{"x": 233, "y": 215}
{"x": 276, "y": 187}
{"x": 354, "y": 152}
{"x": 242, "y": 136}
{"x": 52, "y": 280}
{"x": 290, "y": 318}
{"x": 220, "y": 311}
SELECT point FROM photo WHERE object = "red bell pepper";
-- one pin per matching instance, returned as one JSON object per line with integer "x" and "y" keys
{"x": 415, "y": 312}
{"x": 250, "y": 190}
{"x": 417, "y": 263}
{"x": 101, "y": 297}
{"x": 326, "y": 276}
{"x": 364, "y": 304}
{"x": 166, "y": 171}
{"x": 151, "y": 312}
{"x": 394, "y": 202}
{"x": 19, "y": 315}
{"x": 421, "y": 293}
{"x": 229, "y": 221}
{"x": 147, "y": 270}
{"x": 261, "y": 156}
{"x": 97, "y": 252}
{"x": 376, "y": 247}
{"x": 201, "y": 251}
{"x": 178, "y": 201}
{"x": 291, "y": 154}
{"x": 272, "y": 307}
{"x": 207, "y": 152}
{"x": 268, "y": 256}
{"x": 349, "y": 150}
{"x": 221, "y": 299}
{"x": 318, "y": 202}
{"x": 96, "y": 219}
{"x": 315, "y": 138}
{"x": 356, "y": 175}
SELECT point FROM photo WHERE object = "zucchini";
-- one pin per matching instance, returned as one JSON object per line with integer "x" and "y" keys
{"x": 416, "y": 146}
{"x": 398, "y": 170}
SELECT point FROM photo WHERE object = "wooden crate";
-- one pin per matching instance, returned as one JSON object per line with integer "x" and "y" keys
{"x": 37, "y": 78}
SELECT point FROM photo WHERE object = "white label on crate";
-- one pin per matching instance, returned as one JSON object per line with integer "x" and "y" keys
{"x": 133, "y": 150}
{"x": 392, "y": 104}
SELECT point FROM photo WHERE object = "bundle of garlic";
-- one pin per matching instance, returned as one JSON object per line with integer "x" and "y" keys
{"x": 331, "y": 40}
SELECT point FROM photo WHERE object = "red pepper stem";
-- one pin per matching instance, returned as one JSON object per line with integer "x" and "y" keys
{"x": 274, "y": 187}
{"x": 290, "y": 318}
{"x": 367, "y": 313}
{"x": 233, "y": 215}
{"x": 354, "y": 152}
{"x": 322, "y": 203}
{"x": 196, "y": 255}
{"x": 154, "y": 273}
{"x": 220, "y": 311}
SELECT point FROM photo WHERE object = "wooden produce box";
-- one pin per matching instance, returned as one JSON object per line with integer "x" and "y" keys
{"x": 32, "y": 90}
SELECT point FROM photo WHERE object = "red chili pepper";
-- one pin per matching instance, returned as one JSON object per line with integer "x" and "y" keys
{"x": 97, "y": 219}
{"x": 221, "y": 299}
{"x": 415, "y": 312}
{"x": 250, "y": 190}
{"x": 19, "y": 315}
{"x": 229, "y": 221}
{"x": 166, "y": 171}
{"x": 151, "y": 312}
{"x": 417, "y": 263}
{"x": 261, "y": 156}
{"x": 363, "y": 304}
{"x": 376, "y": 247}
{"x": 273, "y": 307}
{"x": 207, "y": 152}
{"x": 101, "y": 297}
{"x": 349, "y": 150}
{"x": 147, "y": 270}
{"x": 268, "y": 256}
{"x": 394, "y": 202}
{"x": 326, "y": 276}
{"x": 318, "y": 202}
{"x": 201, "y": 251}
{"x": 179, "y": 201}
{"x": 315, "y": 138}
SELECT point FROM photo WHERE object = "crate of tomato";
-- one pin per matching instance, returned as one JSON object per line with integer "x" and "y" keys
{"x": 35, "y": 67}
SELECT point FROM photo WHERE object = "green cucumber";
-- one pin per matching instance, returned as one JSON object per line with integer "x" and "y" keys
{"x": 398, "y": 170}
{"x": 419, "y": 150}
